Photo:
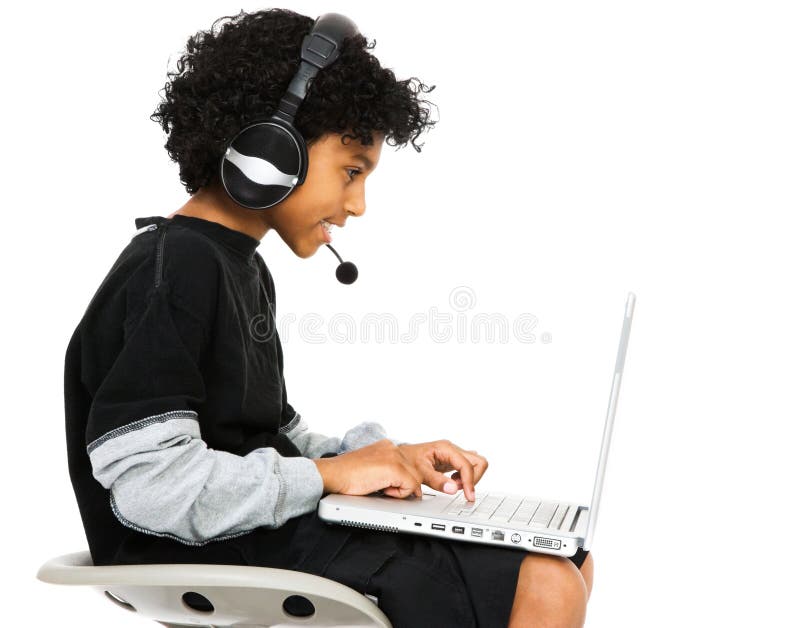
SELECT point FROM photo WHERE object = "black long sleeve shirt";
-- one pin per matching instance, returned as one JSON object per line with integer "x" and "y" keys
{"x": 179, "y": 430}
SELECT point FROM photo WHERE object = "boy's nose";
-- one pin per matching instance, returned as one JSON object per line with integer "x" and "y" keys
{"x": 356, "y": 210}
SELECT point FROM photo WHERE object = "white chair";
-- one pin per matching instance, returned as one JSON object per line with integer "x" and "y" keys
{"x": 219, "y": 595}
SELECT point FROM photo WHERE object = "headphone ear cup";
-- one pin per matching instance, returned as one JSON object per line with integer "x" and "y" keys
{"x": 263, "y": 163}
{"x": 301, "y": 177}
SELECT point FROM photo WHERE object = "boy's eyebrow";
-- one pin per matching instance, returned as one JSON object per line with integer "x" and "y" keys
{"x": 367, "y": 161}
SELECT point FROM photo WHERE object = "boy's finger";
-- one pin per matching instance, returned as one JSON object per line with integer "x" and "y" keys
{"x": 464, "y": 467}
{"x": 444, "y": 483}
{"x": 457, "y": 480}
{"x": 440, "y": 481}
{"x": 478, "y": 466}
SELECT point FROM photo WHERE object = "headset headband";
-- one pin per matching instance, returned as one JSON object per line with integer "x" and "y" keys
{"x": 321, "y": 47}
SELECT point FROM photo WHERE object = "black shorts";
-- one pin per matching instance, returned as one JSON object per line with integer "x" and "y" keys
{"x": 419, "y": 581}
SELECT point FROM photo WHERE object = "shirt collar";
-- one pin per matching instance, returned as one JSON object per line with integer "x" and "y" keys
{"x": 236, "y": 240}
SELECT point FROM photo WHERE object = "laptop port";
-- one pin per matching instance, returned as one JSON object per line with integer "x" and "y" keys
{"x": 541, "y": 541}
{"x": 458, "y": 529}
{"x": 498, "y": 535}
{"x": 477, "y": 532}
{"x": 437, "y": 526}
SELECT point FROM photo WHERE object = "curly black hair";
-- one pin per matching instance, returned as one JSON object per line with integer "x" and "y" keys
{"x": 233, "y": 75}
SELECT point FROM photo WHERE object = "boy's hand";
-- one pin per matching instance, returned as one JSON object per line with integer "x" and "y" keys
{"x": 431, "y": 459}
{"x": 379, "y": 466}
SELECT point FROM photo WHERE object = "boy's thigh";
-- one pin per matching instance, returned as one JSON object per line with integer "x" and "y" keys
{"x": 418, "y": 580}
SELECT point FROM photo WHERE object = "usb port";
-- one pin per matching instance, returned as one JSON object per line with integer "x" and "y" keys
{"x": 477, "y": 532}
{"x": 458, "y": 529}
{"x": 498, "y": 535}
{"x": 437, "y": 526}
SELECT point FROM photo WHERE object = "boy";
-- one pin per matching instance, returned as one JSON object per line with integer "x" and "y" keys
{"x": 182, "y": 444}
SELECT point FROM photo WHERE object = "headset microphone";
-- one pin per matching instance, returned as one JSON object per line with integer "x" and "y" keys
{"x": 346, "y": 272}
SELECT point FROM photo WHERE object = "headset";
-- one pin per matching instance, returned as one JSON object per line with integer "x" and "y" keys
{"x": 267, "y": 160}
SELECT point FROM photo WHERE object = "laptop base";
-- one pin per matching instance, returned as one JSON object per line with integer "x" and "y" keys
{"x": 424, "y": 516}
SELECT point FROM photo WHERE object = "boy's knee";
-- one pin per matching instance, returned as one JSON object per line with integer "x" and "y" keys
{"x": 554, "y": 581}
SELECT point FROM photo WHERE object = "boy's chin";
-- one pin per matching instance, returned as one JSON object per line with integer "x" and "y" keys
{"x": 304, "y": 250}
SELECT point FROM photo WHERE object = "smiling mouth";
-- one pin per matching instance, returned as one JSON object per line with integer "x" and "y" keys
{"x": 326, "y": 230}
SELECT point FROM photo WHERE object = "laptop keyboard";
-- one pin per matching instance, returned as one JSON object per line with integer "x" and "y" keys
{"x": 521, "y": 511}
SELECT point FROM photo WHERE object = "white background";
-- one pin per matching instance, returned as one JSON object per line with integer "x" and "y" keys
{"x": 584, "y": 150}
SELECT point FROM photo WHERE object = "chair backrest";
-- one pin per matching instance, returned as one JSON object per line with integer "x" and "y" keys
{"x": 219, "y": 595}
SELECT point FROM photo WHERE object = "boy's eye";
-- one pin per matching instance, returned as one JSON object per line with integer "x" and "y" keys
{"x": 349, "y": 170}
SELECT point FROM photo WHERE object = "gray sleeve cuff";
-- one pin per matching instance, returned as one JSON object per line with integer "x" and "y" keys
{"x": 301, "y": 486}
{"x": 314, "y": 445}
{"x": 362, "y": 435}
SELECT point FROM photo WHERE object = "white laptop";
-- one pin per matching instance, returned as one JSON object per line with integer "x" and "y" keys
{"x": 494, "y": 518}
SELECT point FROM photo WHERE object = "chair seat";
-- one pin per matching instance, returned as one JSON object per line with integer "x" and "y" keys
{"x": 219, "y": 595}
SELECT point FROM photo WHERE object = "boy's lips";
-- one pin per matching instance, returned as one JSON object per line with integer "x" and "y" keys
{"x": 326, "y": 225}
{"x": 325, "y": 235}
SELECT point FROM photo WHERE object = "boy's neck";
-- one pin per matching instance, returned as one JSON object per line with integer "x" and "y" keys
{"x": 212, "y": 203}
